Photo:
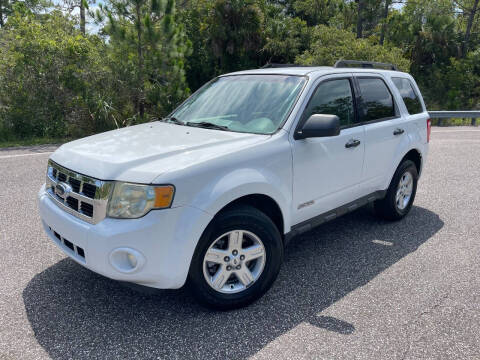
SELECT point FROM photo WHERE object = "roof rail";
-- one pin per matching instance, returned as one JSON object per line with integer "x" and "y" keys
{"x": 364, "y": 64}
{"x": 275, "y": 65}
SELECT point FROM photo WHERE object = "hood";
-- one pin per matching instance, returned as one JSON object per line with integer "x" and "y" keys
{"x": 143, "y": 152}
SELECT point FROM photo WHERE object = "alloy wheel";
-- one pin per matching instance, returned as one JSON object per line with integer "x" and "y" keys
{"x": 234, "y": 261}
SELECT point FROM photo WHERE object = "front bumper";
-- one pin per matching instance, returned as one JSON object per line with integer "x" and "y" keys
{"x": 162, "y": 242}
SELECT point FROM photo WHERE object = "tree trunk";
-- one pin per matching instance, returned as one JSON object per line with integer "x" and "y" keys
{"x": 384, "y": 25}
{"x": 141, "y": 95}
{"x": 360, "y": 6}
{"x": 82, "y": 17}
{"x": 471, "y": 17}
{"x": 1, "y": 13}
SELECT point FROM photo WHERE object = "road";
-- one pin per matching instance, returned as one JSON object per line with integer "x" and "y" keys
{"x": 355, "y": 288}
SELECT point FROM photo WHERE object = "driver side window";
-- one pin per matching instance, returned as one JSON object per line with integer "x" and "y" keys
{"x": 332, "y": 97}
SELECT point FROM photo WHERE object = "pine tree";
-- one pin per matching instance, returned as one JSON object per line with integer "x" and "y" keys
{"x": 150, "y": 47}
{"x": 7, "y": 7}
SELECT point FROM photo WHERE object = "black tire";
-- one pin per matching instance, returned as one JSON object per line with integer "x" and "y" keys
{"x": 387, "y": 208}
{"x": 238, "y": 218}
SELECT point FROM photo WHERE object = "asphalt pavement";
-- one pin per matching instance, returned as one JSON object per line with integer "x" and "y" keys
{"x": 354, "y": 288}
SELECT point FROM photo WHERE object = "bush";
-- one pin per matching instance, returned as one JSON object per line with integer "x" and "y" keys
{"x": 51, "y": 78}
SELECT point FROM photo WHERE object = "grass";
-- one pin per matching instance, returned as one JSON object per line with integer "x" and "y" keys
{"x": 31, "y": 142}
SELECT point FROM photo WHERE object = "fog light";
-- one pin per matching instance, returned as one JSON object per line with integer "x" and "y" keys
{"x": 126, "y": 260}
{"x": 132, "y": 260}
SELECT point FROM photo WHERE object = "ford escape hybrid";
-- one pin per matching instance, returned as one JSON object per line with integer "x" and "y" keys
{"x": 209, "y": 196}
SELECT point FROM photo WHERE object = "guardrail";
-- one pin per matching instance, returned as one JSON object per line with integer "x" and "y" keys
{"x": 455, "y": 114}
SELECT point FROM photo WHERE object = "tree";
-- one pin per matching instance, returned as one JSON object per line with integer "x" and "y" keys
{"x": 3, "y": 9}
{"x": 226, "y": 35}
{"x": 384, "y": 21}
{"x": 330, "y": 45}
{"x": 463, "y": 79}
{"x": 6, "y": 7}
{"x": 427, "y": 32}
{"x": 317, "y": 12}
{"x": 51, "y": 77}
{"x": 469, "y": 9}
{"x": 82, "y": 5}
{"x": 284, "y": 38}
{"x": 147, "y": 52}
{"x": 360, "y": 9}
{"x": 234, "y": 28}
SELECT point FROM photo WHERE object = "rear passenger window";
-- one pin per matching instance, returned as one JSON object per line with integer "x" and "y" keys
{"x": 332, "y": 97}
{"x": 377, "y": 101}
{"x": 409, "y": 96}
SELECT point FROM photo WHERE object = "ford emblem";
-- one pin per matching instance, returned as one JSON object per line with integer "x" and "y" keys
{"x": 63, "y": 189}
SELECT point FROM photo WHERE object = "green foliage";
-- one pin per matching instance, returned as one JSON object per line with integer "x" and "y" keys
{"x": 230, "y": 35}
{"x": 7, "y": 7}
{"x": 200, "y": 64}
{"x": 285, "y": 37}
{"x": 226, "y": 36}
{"x": 330, "y": 44}
{"x": 430, "y": 36}
{"x": 317, "y": 12}
{"x": 146, "y": 56}
{"x": 56, "y": 81}
{"x": 233, "y": 31}
{"x": 463, "y": 79}
{"x": 48, "y": 77}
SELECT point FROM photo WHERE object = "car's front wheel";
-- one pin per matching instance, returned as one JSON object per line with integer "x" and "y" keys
{"x": 237, "y": 259}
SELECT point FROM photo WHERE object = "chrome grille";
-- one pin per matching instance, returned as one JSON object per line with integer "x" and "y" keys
{"x": 79, "y": 195}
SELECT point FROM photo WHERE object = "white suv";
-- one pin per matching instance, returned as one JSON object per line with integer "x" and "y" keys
{"x": 210, "y": 195}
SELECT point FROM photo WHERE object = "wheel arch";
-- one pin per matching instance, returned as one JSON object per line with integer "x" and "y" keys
{"x": 414, "y": 155}
{"x": 261, "y": 189}
{"x": 262, "y": 202}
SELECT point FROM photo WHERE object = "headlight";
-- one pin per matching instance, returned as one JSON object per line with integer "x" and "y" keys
{"x": 130, "y": 201}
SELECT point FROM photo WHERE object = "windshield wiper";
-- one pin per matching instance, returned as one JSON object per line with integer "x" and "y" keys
{"x": 207, "y": 125}
{"x": 174, "y": 120}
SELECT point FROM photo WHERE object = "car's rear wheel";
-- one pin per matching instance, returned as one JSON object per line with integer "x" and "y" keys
{"x": 237, "y": 259}
{"x": 400, "y": 194}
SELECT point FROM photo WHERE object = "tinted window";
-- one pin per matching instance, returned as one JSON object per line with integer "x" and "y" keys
{"x": 410, "y": 98}
{"x": 377, "y": 101}
{"x": 333, "y": 97}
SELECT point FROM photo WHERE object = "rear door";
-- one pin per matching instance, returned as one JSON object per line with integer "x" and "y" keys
{"x": 385, "y": 132}
{"x": 414, "y": 109}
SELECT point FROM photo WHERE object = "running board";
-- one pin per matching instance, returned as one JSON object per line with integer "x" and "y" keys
{"x": 309, "y": 224}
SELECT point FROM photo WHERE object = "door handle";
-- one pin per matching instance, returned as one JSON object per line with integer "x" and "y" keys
{"x": 398, "y": 131}
{"x": 352, "y": 143}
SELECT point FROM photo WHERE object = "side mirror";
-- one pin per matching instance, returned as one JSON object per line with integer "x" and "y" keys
{"x": 319, "y": 125}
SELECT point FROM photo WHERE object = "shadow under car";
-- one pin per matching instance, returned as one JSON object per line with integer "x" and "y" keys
{"x": 76, "y": 313}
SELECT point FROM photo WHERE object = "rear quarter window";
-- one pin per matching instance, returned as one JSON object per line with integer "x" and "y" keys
{"x": 377, "y": 101}
{"x": 409, "y": 96}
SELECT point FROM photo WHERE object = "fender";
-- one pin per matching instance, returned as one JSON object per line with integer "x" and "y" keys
{"x": 241, "y": 182}
{"x": 397, "y": 161}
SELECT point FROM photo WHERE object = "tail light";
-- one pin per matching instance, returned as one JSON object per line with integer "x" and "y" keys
{"x": 429, "y": 129}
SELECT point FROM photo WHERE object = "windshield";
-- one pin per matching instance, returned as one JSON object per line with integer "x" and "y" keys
{"x": 245, "y": 103}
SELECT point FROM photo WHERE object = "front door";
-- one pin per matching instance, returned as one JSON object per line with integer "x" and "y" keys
{"x": 326, "y": 170}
